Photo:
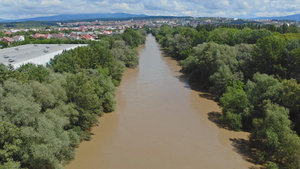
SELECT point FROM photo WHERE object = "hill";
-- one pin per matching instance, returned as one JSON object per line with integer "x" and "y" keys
{"x": 295, "y": 17}
{"x": 67, "y": 17}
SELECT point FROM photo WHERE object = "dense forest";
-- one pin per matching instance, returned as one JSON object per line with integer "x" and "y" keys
{"x": 46, "y": 112}
{"x": 253, "y": 70}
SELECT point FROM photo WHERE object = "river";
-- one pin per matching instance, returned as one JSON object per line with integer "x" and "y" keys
{"x": 159, "y": 123}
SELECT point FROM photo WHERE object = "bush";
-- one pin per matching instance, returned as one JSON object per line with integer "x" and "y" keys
{"x": 234, "y": 121}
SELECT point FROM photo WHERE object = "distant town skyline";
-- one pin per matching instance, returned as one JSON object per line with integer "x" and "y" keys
{"x": 20, "y": 9}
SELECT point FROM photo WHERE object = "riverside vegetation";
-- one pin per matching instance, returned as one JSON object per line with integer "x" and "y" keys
{"x": 254, "y": 72}
{"x": 46, "y": 112}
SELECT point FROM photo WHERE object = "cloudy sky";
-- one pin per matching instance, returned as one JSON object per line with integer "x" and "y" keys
{"x": 17, "y": 9}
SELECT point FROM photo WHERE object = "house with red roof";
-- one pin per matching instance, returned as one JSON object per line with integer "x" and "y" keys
{"x": 106, "y": 32}
{"x": 38, "y": 35}
{"x": 73, "y": 36}
{"x": 58, "y": 36}
{"x": 87, "y": 37}
{"x": 8, "y": 40}
{"x": 8, "y": 33}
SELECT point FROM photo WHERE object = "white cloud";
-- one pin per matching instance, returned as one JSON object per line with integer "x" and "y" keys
{"x": 34, "y": 15}
{"x": 14, "y": 9}
{"x": 189, "y": 13}
{"x": 101, "y": 3}
{"x": 179, "y": 6}
{"x": 51, "y": 2}
{"x": 122, "y": 6}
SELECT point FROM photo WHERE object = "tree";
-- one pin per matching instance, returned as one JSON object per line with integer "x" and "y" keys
{"x": 223, "y": 36}
{"x": 245, "y": 59}
{"x": 82, "y": 92}
{"x": 294, "y": 61}
{"x": 165, "y": 30}
{"x": 179, "y": 46}
{"x": 125, "y": 54}
{"x": 43, "y": 95}
{"x": 294, "y": 44}
{"x": 258, "y": 34}
{"x": 131, "y": 37}
{"x": 235, "y": 105}
{"x": 242, "y": 36}
{"x": 10, "y": 143}
{"x": 31, "y": 71}
{"x": 47, "y": 144}
{"x": 271, "y": 28}
{"x": 207, "y": 58}
{"x": 292, "y": 29}
{"x": 284, "y": 28}
{"x": 63, "y": 62}
{"x": 200, "y": 37}
{"x": 222, "y": 77}
{"x": 6, "y": 72}
{"x": 274, "y": 137}
{"x": 261, "y": 89}
{"x": 269, "y": 56}
{"x": 289, "y": 97}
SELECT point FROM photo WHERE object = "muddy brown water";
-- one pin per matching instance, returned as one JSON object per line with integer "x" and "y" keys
{"x": 159, "y": 123}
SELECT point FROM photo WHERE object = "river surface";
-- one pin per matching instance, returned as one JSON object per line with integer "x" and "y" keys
{"x": 159, "y": 123}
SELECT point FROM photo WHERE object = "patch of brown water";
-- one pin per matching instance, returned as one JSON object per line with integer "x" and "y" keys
{"x": 159, "y": 123}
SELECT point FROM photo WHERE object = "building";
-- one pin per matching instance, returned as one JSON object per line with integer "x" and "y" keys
{"x": 33, "y": 53}
{"x": 18, "y": 38}
{"x": 8, "y": 40}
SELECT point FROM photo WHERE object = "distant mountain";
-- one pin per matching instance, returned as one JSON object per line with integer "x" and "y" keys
{"x": 289, "y": 17}
{"x": 68, "y": 17}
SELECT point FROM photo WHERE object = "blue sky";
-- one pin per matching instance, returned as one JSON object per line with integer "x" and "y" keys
{"x": 17, "y": 9}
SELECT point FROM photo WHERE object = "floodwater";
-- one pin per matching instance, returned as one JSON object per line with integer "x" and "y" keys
{"x": 159, "y": 123}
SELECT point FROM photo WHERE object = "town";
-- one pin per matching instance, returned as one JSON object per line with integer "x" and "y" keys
{"x": 94, "y": 30}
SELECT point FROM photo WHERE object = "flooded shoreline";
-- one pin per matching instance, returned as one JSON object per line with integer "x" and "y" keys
{"x": 159, "y": 123}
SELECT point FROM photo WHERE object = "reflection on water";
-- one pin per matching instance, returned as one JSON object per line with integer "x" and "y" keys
{"x": 159, "y": 123}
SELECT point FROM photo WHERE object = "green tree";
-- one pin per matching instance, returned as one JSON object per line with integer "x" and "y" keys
{"x": 206, "y": 59}
{"x": 6, "y": 72}
{"x": 43, "y": 95}
{"x": 284, "y": 28}
{"x": 257, "y": 34}
{"x": 125, "y": 54}
{"x": 131, "y": 37}
{"x": 245, "y": 59}
{"x": 294, "y": 61}
{"x": 10, "y": 143}
{"x": 223, "y": 36}
{"x": 272, "y": 28}
{"x": 81, "y": 91}
{"x": 235, "y": 106}
{"x": 269, "y": 56}
{"x": 31, "y": 71}
{"x": 222, "y": 77}
{"x": 165, "y": 30}
{"x": 200, "y": 37}
{"x": 274, "y": 137}
{"x": 292, "y": 29}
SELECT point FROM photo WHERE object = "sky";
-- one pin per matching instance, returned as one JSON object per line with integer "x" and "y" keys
{"x": 19, "y": 9}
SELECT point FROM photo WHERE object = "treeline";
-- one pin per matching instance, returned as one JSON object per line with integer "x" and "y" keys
{"x": 254, "y": 74}
{"x": 46, "y": 112}
{"x": 27, "y": 24}
{"x": 32, "y": 40}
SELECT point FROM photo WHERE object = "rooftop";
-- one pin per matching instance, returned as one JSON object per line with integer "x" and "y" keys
{"x": 33, "y": 53}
